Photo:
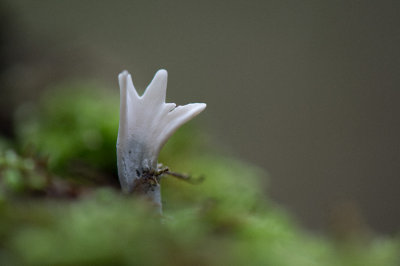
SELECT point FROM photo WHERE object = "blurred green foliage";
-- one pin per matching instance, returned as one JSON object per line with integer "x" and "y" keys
{"x": 50, "y": 217}
{"x": 20, "y": 175}
{"x": 73, "y": 124}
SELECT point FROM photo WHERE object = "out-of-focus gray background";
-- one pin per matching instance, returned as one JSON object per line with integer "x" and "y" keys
{"x": 308, "y": 90}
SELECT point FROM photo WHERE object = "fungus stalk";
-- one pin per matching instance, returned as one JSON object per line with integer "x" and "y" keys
{"x": 146, "y": 123}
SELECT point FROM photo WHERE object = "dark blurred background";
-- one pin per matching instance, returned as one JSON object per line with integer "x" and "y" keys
{"x": 308, "y": 90}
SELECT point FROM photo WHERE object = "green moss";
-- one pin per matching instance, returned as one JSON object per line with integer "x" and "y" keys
{"x": 225, "y": 220}
{"x": 77, "y": 124}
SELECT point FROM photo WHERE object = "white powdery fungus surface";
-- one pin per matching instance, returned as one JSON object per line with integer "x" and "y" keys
{"x": 146, "y": 123}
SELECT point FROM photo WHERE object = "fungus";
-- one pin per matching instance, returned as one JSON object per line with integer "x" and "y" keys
{"x": 146, "y": 123}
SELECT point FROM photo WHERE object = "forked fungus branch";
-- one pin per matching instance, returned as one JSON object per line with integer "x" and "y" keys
{"x": 146, "y": 123}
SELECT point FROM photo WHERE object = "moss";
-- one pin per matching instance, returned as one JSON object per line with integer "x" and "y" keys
{"x": 50, "y": 215}
{"x": 77, "y": 124}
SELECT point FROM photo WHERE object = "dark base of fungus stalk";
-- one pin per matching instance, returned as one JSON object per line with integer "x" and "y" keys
{"x": 148, "y": 187}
